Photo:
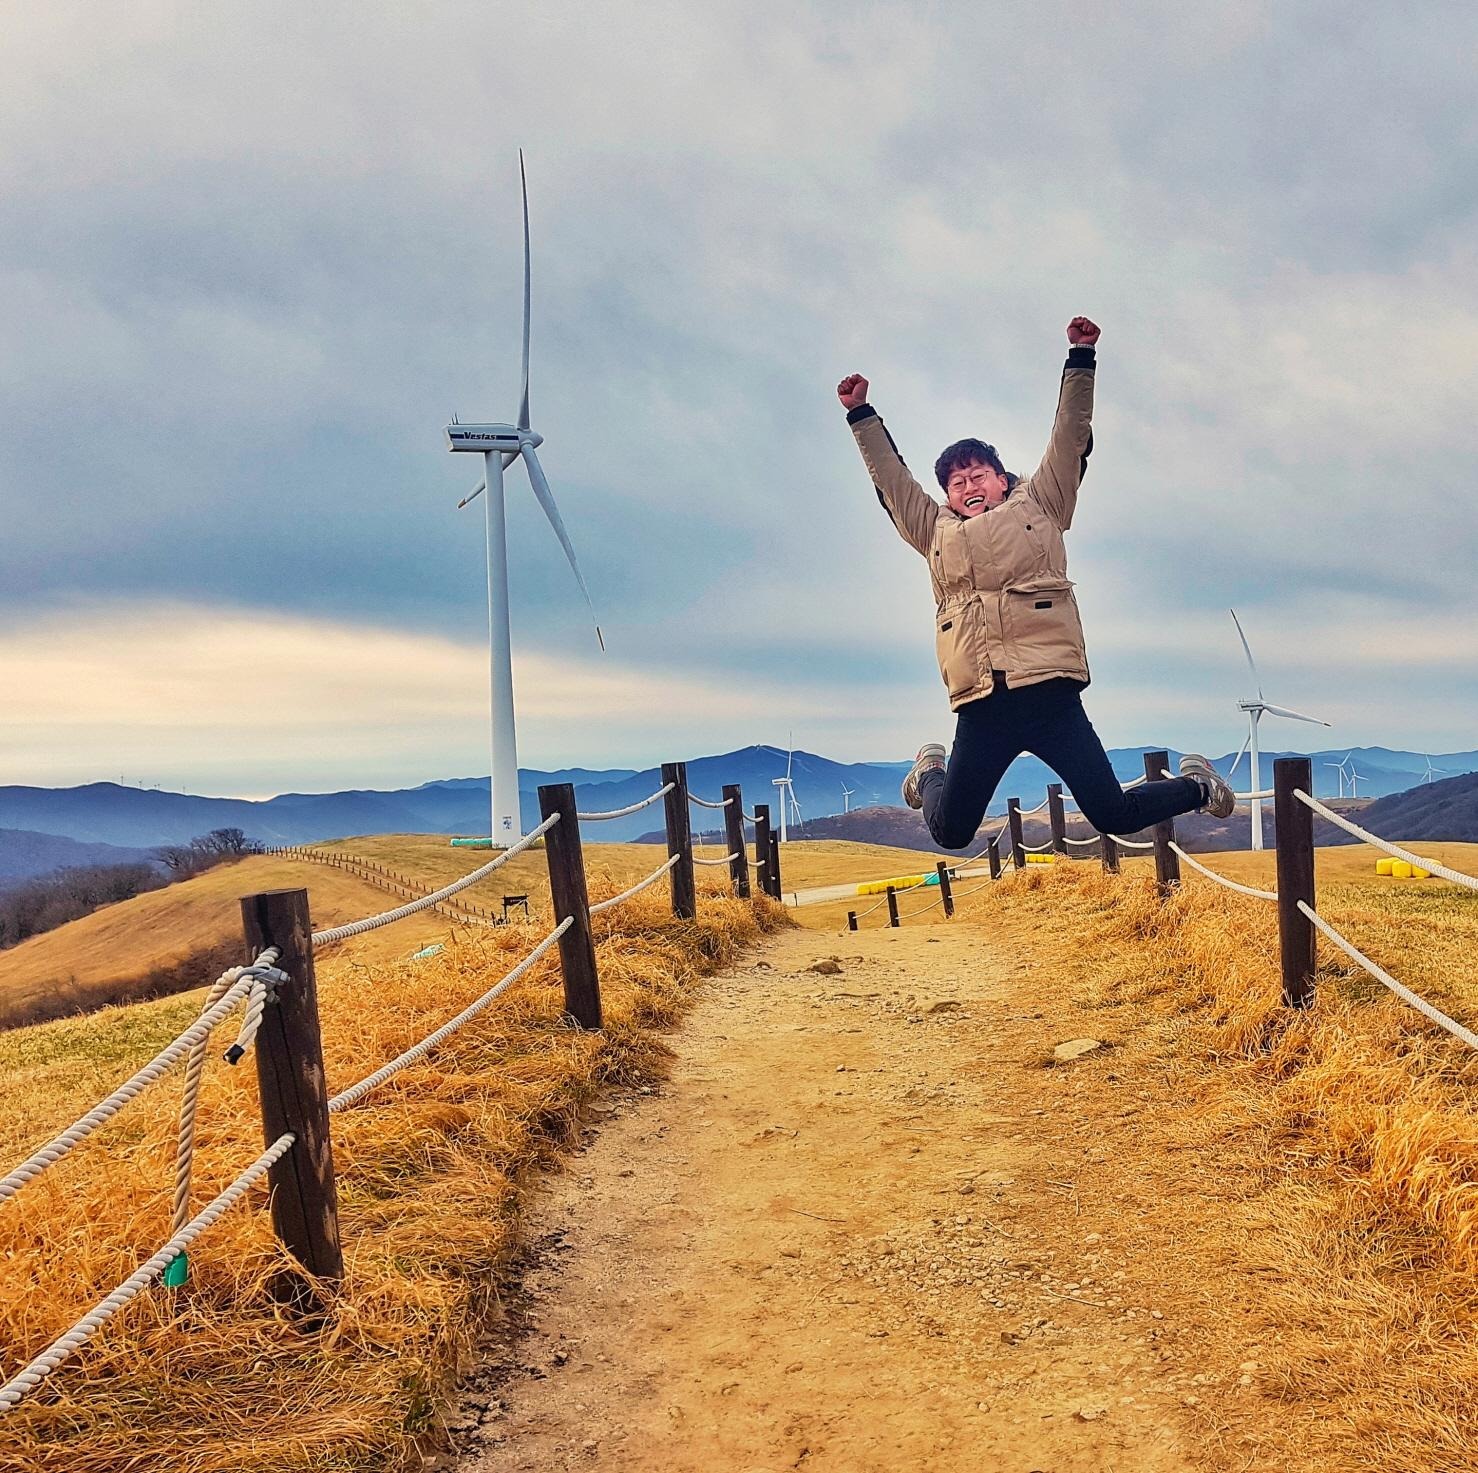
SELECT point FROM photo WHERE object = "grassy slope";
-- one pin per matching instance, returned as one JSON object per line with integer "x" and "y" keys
{"x": 428, "y": 1167}
{"x": 1345, "y": 1138}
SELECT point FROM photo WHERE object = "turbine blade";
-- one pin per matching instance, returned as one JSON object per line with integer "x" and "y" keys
{"x": 475, "y": 493}
{"x": 1295, "y": 715}
{"x": 523, "y": 410}
{"x": 1241, "y": 753}
{"x": 1247, "y": 650}
{"x": 545, "y": 497}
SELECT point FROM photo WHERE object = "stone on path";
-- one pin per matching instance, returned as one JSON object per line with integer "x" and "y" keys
{"x": 1075, "y": 1048}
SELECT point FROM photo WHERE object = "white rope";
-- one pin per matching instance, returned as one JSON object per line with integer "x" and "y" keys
{"x": 1133, "y": 843}
{"x": 264, "y": 984}
{"x": 1211, "y": 874}
{"x": 355, "y": 1092}
{"x": 632, "y": 808}
{"x": 1404, "y": 993}
{"x": 637, "y": 888}
{"x": 1137, "y": 781}
{"x": 1092, "y": 839}
{"x": 727, "y": 859}
{"x": 1266, "y": 793}
{"x": 704, "y": 803}
{"x": 1037, "y": 848}
{"x": 20, "y": 1386}
{"x": 1430, "y": 865}
{"x": 371, "y": 923}
{"x": 1027, "y": 812}
{"x": 241, "y": 980}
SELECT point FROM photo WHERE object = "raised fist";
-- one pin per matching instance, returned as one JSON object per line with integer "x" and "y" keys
{"x": 1082, "y": 333}
{"x": 852, "y": 390}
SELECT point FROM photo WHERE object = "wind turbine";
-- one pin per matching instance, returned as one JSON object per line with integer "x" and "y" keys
{"x": 785, "y": 795}
{"x": 846, "y": 798}
{"x": 500, "y": 445}
{"x": 1255, "y": 711}
{"x": 1339, "y": 767}
{"x": 1432, "y": 772}
{"x": 1355, "y": 780}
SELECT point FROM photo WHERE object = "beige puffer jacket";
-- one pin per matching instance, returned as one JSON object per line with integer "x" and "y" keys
{"x": 1001, "y": 591}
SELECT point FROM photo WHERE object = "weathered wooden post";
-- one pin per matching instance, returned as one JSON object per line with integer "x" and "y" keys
{"x": 680, "y": 841}
{"x": 1057, "y": 817}
{"x": 294, "y": 1094}
{"x": 1110, "y": 852}
{"x": 942, "y": 870}
{"x": 993, "y": 853}
{"x": 566, "y": 857}
{"x": 1018, "y": 849}
{"x": 892, "y": 906}
{"x": 1294, "y": 834}
{"x": 775, "y": 887}
{"x": 734, "y": 838}
{"x": 762, "y": 847}
{"x": 1167, "y": 861}
{"x": 851, "y": 920}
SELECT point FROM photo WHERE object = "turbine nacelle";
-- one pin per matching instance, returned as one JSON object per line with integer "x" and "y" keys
{"x": 491, "y": 439}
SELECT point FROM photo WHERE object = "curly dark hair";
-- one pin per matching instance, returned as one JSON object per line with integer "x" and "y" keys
{"x": 966, "y": 452}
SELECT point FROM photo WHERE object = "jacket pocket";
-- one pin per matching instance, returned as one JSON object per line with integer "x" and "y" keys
{"x": 1041, "y": 628}
{"x": 958, "y": 642}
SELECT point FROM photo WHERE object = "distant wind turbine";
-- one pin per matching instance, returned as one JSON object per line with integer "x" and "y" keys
{"x": 1255, "y": 711}
{"x": 847, "y": 797}
{"x": 1432, "y": 772}
{"x": 500, "y": 445}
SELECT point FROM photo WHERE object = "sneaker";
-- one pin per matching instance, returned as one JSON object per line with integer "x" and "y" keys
{"x": 1217, "y": 797}
{"x": 931, "y": 754}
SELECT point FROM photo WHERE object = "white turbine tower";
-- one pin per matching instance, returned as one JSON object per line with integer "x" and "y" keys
{"x": 847, "y": 798}
{"x": 1255, "y": 711}
{"x": 1339, "y": 767}
{"x": 1355, "y": 780}
{"x": 500, "y": 445}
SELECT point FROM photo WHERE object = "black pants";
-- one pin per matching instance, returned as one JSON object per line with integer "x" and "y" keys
{"x": 1048, "y": 721}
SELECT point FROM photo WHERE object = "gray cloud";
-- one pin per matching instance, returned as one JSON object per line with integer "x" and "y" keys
{"x": 252, "y": 259}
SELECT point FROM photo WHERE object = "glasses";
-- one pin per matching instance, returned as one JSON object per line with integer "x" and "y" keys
{"x": 980, "y": 477}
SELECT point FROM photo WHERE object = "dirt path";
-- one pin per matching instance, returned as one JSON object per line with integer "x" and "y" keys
{"x": 858, "y": 1229}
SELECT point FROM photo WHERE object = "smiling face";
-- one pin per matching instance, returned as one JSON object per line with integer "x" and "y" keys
{"x": 975, "y": 488}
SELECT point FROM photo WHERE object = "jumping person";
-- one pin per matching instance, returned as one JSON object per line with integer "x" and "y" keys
{"x": 1007, "y": 633}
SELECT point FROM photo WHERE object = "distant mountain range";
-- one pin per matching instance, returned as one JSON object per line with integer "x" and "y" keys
{"x": 24, "y": 854}
{"x": 134, "y": 818}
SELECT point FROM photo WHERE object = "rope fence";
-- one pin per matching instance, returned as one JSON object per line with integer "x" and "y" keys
{"x": 1395, "y": 850}
{"x": 389, "y": 917}
{"x": 636, "y": 889}
{"x": 630, "y": 808}
{"x": 283, "y": 970}
{"x": 708, "y": 803}
{"x": 1211, "y": 874}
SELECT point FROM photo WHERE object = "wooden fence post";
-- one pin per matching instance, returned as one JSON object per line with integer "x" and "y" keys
{"x": 762, "y": 847}
{"x": 892, "y": 906}
{"x": 1167, "y": 861}
{"x": 851, "y": 920}
{"x": 566, "y": 857}
{"x": 734, "y": 838}
{"x": 1057, "y": 818}
{"x": 1013, "y": 814}
{"x": 294, "y": 1094}
{"x": 775, "y": 886}
{"x": 1110, "y": 852}
{"x": 680, "y": 841}
{"x": 1294, "y": 833}
{"x": 942, "y": 870}
{"x": 993, "y": 853}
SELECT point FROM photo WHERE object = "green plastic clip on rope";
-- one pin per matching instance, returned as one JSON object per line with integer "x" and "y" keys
{"x": 178, "y": 1272}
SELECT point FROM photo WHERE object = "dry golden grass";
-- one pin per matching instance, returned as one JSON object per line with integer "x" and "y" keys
{"x": 429, "y": 1166}
{"x": 100, "y": 957}
{"x": 1352, "y": 1125}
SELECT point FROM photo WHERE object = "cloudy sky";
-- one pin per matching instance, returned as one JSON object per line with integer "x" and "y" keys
{"x": 253, "y": 256}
